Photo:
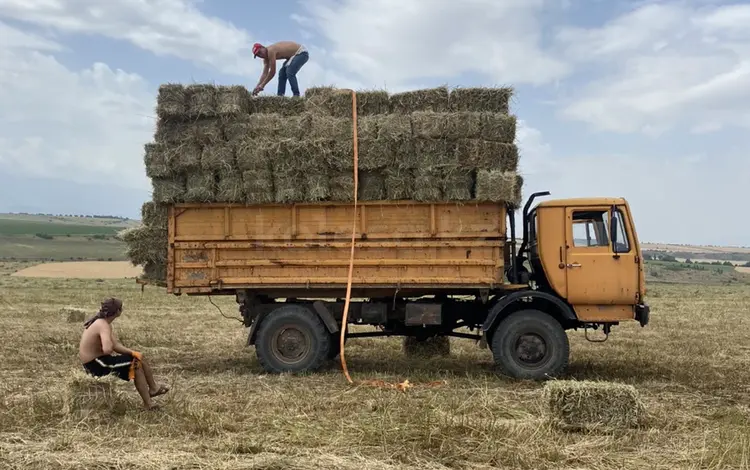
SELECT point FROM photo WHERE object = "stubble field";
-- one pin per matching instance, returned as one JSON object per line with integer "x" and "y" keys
{"x": 691, "y": 366}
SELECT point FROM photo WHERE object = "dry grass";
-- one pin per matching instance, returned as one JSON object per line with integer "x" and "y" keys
{"x": 80, "y": 270}
{"x": 689, "y": 367}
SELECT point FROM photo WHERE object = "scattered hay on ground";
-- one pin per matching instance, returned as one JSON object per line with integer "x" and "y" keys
{"x": 73, "y": 315}
{"x": 430, "y": 99}
{"x": 588, "y": 405}
{"x": 171, "y": 101}
{"x": 496, "y": 186}
{"x": 493, "y": 100}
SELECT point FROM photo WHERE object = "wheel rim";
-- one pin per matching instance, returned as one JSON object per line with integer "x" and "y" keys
{"x": 531, "y": 350}
{"x": 291, "y": 344}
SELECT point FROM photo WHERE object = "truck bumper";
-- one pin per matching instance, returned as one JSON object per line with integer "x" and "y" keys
{"x": 643, "y": 314}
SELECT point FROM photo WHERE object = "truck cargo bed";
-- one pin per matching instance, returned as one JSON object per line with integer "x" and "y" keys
{"x": 400, "y": 247}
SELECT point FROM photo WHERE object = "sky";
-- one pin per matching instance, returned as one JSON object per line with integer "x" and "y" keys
{"x": 647, "y": 100}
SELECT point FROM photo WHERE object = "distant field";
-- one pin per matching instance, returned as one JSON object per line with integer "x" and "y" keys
{"x": 29, "y": 227}
{"x": 682, "y": 273}
{"x": 72, "y": 220}
{"x": 29, "y": 247}
{"x": 82, "y": 270}
{"x": 694, "y": 248}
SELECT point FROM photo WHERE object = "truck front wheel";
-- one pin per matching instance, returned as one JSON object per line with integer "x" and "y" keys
{"x": 530, "y": 344}
{"x": 292, "y": 339}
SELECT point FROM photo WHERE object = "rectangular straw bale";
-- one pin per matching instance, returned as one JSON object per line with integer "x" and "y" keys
{"x": 338, "y": 103}
{"x": 219, "y": 157}
{"x": 283, "y": 105}
{"x": 486, "y": 155}
{"x": 288, "y": 185}
{"x": 367, "y": 127}
{"x": 251, "y": 154}
{"x": 495, "y": 186}
{"x": 159, "y": 160}
{"x": 155, "y": 271}
{"x": 371, "y": 186}
{"x": 457, "y": 184}
{"x": 518, "y": 197}
{"x": 230, "y": 187}
{"x": 396, "y": 127}
{"x": 232, "y": 100}
{"x": 428, "y": 184}
{"x": 318, "y": 92}
{"x": 154, "y": 215}
{"x": 171, "y": 101}
{"x": 323, "y": 126}
{"x": 491, "y": 100}
{"x": 208, "y": 132}
{"x": 168, "y": 190}
{"x": 430, "y": 99}
{"x": 341, "y": 186}
{"x": 433, "y": 153}
{"x": 200, "y": 187}
{"x": 237, "y": 128}
{"x": 201, "y": 99}
{"x": 258, "y": 186}
{"x": 591, "y": 405}
{"x": 187, "y": 157}
{"x": 375, "y": 154}
{"x": 433, "y": 125}
{"x": 399, "y": 183}
{"x": 497, "y": 127}
{"x": 170, "y": 131}
{"x": 317, "y": 186}
{"x": 145, "y": 244}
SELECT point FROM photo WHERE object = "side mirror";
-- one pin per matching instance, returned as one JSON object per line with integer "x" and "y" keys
{"x": 613, "y": 230}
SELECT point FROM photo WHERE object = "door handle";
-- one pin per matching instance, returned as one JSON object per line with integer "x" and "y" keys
{"x": 574, "y": 265}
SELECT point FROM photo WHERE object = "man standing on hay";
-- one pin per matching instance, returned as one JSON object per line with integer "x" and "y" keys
{"x": 296, "y": 56}
{"x": 96, "y": 348}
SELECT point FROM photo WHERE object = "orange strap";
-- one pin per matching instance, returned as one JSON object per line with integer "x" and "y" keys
{"x": 402, "y": 386}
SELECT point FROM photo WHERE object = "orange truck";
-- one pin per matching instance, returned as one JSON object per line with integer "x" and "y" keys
{"x": 423, "y": 271}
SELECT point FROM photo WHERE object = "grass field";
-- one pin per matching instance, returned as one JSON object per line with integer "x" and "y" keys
{"x": 690, "y": 366}
{"x": 29, "y": 247}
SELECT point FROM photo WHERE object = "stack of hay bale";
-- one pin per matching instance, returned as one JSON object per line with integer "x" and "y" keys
{"x": 219, "y": 144}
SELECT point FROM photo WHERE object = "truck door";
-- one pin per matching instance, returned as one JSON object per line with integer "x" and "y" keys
{"x": 597, "y": 274}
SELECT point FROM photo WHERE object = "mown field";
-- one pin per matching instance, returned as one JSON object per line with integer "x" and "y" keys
{"x": 690, "y": 366}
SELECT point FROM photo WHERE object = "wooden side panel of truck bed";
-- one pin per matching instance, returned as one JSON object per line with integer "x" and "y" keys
{"x": 219, "y": 247}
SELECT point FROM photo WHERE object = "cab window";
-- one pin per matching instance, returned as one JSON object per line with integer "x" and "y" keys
{"x": 591, "y": 229}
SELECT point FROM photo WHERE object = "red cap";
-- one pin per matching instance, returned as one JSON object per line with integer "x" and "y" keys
{"x": 256, "y": 48}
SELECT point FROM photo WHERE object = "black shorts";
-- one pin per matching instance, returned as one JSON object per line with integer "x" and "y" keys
{"x": 123, "y": 366}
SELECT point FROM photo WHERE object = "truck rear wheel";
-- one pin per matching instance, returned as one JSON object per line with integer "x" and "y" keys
{"x": 292, "y": 339}
{"x": 435, "y": 346}
{"x": 530, "y": 344}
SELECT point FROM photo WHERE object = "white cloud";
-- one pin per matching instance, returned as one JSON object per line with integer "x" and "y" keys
{"x": 80, "y": 125}
{"x": 665, "y": 65}
{"x": 400, "y": 42}
{"x": 164, "y": 27}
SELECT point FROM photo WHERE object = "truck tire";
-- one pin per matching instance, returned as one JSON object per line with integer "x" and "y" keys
{"x": 430, "y": 347}
{"x": 336, "y": 344}
{"x": 292, "y": 339}
{"x": 530, "y": 344}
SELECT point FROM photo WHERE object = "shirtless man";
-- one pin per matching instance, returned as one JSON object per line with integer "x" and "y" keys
{"x": 97, "y": 345}
{"x": 295, "y": 56}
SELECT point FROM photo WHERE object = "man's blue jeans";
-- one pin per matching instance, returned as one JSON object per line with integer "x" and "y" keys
{"x": 289, "y": 71}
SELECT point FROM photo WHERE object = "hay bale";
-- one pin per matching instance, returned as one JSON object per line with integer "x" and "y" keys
{"x": 486, "y": 155}
{"x": 171, "y": 101}
{"x": 155, "y": 272}
{"x": 186, "y": 157}
{"x": 283, "y": 105}
{"x": 497, "y": 127}
{"x": 430, "y": 99}
{"x": 229, "y": 187}
{"x": 457, "y": 184}
{"x": 338, "y": 102}
{"x": 251, "y": 154}
{"x": 329, "y": 127}
{"x": 429, "y": 153}
{"x": 317, "y": 186}
{"x": 317, "y": 92}
{"x": 236, "y": 130}
{"x": 375, "y": 154}
{"x": 288, "y": 185}
{"x": 495, "y": 186}
{"x": 201, "y": 99}
{"x": 154, "y": 215}
{"x": 394, "y": 127}
{"x": 208, "y": 132}
{"x": 341, "y": 187}
{"x": 518, "y": 197}
{"x": 168, "y": 190}
{"x": 428, "y": 184}
{"x": 218, "y": 157}
{"x": 145, "y": 244}
{"x": 399, "y": 183}
{"x": 371, "y": 186}
{"x": 492, "y": 100}
{"x": 86, "y": 395}
{"x": 159, "y": 159}
{"x": 200, "y": 186}
{"x": 232, "y": 100}
{"x": 170, "y": 131}
{"x": 258, "y": 186}
{"x": 588, "y": 405}
{"x": 368, "y": 127}
{"x": 73, "y": 315}
{"x": 433, "y": 125}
